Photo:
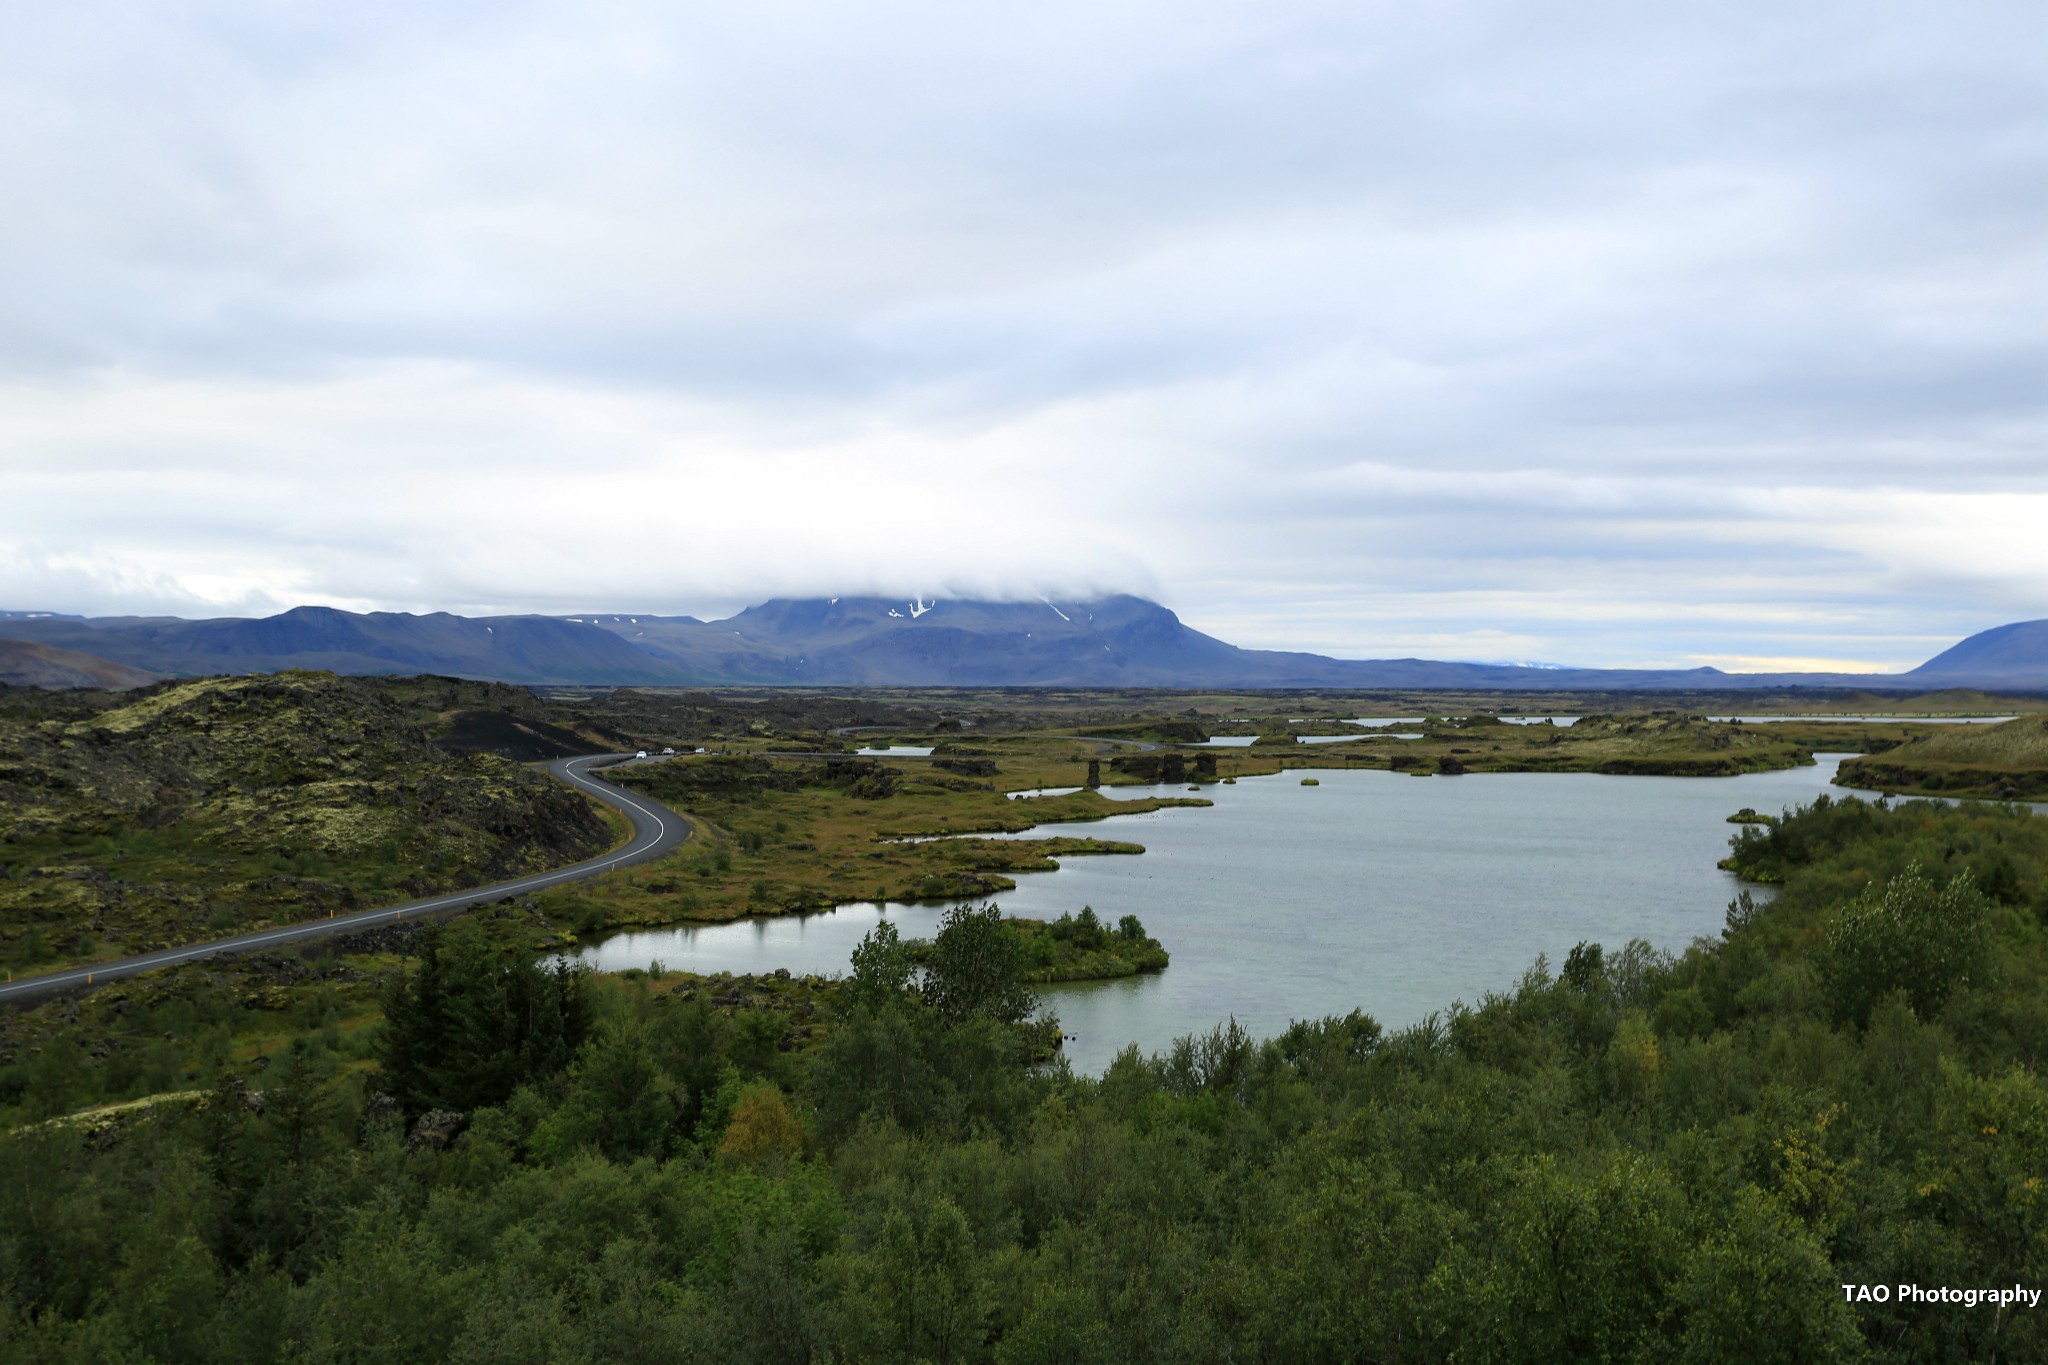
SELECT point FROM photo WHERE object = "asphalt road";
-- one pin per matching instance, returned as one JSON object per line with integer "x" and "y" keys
{"x": 656, "y": 830}
{"x": 1141, "y": 745}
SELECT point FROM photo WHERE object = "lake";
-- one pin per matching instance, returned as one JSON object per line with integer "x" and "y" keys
{"x": 1374, "y": 890}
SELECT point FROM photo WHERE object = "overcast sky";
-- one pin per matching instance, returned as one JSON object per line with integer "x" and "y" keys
{"x": 1608, "y": 334}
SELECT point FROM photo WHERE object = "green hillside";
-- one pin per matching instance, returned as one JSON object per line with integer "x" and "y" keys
{"x": 197, "y": 809}
{"x": 2008, "y": 761}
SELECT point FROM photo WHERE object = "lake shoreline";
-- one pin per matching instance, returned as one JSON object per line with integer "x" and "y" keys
{"x": 1286, "y": 903}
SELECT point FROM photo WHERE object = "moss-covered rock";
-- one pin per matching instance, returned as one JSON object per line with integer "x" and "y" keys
{"x": 201, "y": 808}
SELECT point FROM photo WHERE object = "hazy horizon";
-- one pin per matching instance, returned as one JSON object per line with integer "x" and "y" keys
{"x": 634, "y": 616}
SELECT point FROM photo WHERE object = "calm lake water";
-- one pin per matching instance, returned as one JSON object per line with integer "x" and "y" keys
{"x": 1374, "y": 890}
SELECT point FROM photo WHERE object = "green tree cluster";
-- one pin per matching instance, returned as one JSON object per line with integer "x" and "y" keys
{"x": 475, "y": 1021}
{"x": 1641, "y": 1156}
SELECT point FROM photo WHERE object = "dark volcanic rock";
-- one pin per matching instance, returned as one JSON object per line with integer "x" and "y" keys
{"x": 222, "y": 803}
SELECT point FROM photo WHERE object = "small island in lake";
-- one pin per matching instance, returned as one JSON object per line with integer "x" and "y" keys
{"x": 1075, "y": 948}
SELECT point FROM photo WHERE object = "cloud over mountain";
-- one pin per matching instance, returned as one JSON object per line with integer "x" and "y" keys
{"x": 1103, "y": 642}
{"x": 1622, "y": 334}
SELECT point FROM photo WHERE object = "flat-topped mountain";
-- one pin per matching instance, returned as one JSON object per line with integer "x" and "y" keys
{"x": 1110, "y": 641}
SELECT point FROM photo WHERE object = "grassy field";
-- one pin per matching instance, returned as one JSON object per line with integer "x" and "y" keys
{"x": 2006, "y": 762}
{"x": 784, "y": 835}
{"x": 1649, "y": 742}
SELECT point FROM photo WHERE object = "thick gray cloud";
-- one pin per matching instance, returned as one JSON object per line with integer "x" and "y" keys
{"x": 1590, "y": 332}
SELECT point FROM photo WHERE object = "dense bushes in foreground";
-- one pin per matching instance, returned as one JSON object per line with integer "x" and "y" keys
{"x": 1633, "y": 1158}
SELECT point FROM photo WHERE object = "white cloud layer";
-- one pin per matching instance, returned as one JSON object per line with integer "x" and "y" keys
{"x": 1590, "y": 332}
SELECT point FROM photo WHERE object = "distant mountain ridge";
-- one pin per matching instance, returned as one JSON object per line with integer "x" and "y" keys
{"x": 502, "y": 648}
{"x": 24, "y": 663}
{"x": 1110, "y": 641}
{"x": 2008, "y": 655}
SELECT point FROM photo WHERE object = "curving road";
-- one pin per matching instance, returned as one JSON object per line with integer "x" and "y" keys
{"x": 1143, "y": 746}
{"x": 656, "y": 830}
